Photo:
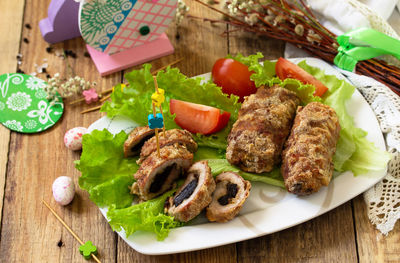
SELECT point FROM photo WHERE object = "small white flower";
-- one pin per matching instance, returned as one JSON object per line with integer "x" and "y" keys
{"x": 30, "y": 124}
{"x": 14, "y": 125}
{"x": 19, "y": 101}
{"x": 2, "y": 106}
{"x": 35, "y": 83}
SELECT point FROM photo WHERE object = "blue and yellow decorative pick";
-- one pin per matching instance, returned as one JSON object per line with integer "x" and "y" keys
{"x": 156, "y": 120}
{"x": 363, "y": 44}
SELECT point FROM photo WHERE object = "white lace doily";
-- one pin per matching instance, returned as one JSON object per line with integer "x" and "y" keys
{"x": 383, "y": 200}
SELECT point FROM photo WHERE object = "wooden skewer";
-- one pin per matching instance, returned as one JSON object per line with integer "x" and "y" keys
{"x": 91, "y": 109}
{"x": 76, "y": 101}
{"x": 168, "y": 65}
{"x": 156, "y": 130}
{"x": 68, "y": 228}
{"x": 163, "y": 128}
{"x": 106, "y": 91}
{"x": 105, "y": 98}
{"x": 162, "y": 114}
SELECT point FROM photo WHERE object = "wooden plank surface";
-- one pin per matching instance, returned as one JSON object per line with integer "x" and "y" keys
{"x": 373, "y": 246}
{"x": 10, "y": 26}
{"x": 30, "y": 233}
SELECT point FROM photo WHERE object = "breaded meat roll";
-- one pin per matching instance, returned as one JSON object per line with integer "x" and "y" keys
{"x": 194, "y": 195}
{"x": 256, "y": 140}
{"x": 228, "y": 198}
{"x": 307, "y": 157}
{"x": 174, "y": 136}
{"x": 157, "y": 174}
{"x": 136, "y": 140}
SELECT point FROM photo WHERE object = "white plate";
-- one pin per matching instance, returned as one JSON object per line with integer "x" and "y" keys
{"x": 268, "y": 209}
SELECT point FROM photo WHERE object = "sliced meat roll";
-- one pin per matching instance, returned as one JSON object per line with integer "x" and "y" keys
{"x": 194, "y": 195}
{"x": 173, "y": 136}
{"x": 136, "y": 140}
{"x": 256, "y": 140}
{"x": 228, "y": 198}
{"x": 307, "y": 158}
{"x": 157, "y": 174}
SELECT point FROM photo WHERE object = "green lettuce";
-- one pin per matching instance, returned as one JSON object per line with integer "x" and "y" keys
{"x": 134, "y": 101}
{"x": 147, "y": 216}
{"x": 222, "y": 165}
{"x": 106, "y": 174}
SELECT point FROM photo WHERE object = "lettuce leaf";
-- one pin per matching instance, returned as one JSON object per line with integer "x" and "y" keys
{"x": 106, "y": 174}
{"x": 265, "y": 75}
{"x": 134, "y": 101}
{"x": 147, "y": 216}
{"x": 222, "y": 165}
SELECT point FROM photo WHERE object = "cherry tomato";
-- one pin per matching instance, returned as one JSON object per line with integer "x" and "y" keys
{"x": 198, "y": 118}
{"x": 233, "y": 77}
{"x": 286, "y": 69}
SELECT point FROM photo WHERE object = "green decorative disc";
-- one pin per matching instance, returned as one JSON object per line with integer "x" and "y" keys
{"x": 23, "y": 104}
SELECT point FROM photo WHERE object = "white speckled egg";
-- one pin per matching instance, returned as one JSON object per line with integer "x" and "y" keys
{"x": 63, "y": 190}
{"x": 73, "y": 138}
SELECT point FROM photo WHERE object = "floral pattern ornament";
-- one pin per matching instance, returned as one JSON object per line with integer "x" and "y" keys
{"x": 19, "y": 101}
{"x": 30, "y": 124}
{"x": 42, "y": 112}
{"x": 14, "y": 125}
{"x": 34, "y": 83}
{"x": 41, "y": 94}
{"x": 24, "y": 106}
{"x": 96, "y": 16}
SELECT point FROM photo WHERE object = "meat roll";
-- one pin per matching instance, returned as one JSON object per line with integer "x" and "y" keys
{"x": 194, "y": 195}
{"x": 307, "y": 157}
{"x": 228, "y": 198}
{"x": 157, "y": 174}
{"x": 257, "y": 137}
{"x": 174, "y": 136}
{"x": 136, "y": 140}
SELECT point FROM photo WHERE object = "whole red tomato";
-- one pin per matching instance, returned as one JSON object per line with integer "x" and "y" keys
{"x": 233, "y": 77}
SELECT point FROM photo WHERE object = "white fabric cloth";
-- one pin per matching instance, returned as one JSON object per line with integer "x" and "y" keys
{"x": 383, "y": 200}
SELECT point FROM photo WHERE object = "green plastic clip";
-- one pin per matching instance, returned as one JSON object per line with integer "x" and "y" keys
{"x": 362, "y": 44}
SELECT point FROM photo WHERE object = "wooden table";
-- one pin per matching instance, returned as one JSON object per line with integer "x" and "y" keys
{"x": 30, "y": 163}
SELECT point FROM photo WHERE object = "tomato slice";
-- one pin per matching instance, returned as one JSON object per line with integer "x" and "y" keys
{"x": 286, "y": 69}
{"x": 222, "y": 122}
{"x": 198, "y": 118}
{"x": 233, "y": 77}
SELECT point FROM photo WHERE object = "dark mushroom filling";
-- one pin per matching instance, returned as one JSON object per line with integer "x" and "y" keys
{"x": 161, "y": 177}
{"x": 139, "y": 145}
{"x": 187, "y": 191}
{"x": 231, "y": 192}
